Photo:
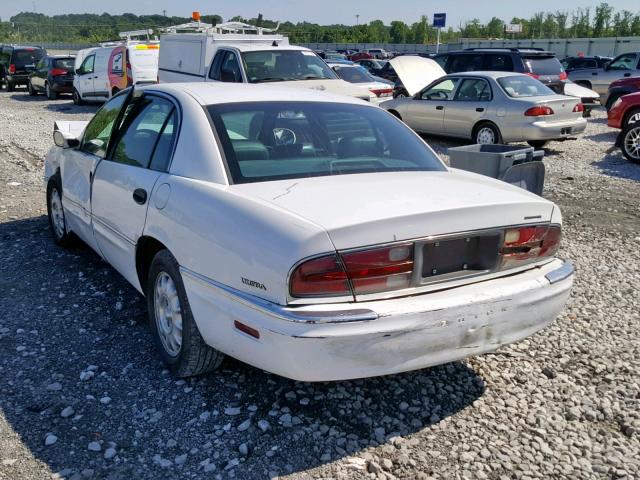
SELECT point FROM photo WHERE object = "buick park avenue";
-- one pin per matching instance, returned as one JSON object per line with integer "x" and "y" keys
{"x": 310, "y": 235}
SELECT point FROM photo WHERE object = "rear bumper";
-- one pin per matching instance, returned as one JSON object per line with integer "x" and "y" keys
{"x": 62, "y": 85}
{"x": 544, "y": 130}
{"x": 364, "y": 339}
{"x": 18, "y": 78}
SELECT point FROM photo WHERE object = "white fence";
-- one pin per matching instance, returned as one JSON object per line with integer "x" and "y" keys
{"x": 610, "y": 46}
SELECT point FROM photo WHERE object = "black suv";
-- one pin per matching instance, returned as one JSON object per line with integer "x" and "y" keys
{"x": 16, "y": 63}
{"x": 580, "y": 63}
{"x": 536, "y": 62}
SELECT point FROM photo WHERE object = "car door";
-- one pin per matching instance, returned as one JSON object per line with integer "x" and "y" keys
{"x": 622, "y": 66}
{"x": 79, "y": 165}
{"x": 39, "y": 75}
{"x": 123, "y": 181}
{"x": 470, "y": 103}
{"x": 426, "y": 111}
{"x": 85, "y": 77}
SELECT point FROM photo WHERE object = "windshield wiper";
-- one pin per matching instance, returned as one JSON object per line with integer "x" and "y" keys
{"x": 271, "y": 79}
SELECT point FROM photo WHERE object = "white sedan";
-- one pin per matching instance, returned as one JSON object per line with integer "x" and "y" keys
{"x": 310, "y": 235}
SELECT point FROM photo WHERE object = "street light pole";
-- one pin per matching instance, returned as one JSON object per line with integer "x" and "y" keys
{"x": 357, "y": 19}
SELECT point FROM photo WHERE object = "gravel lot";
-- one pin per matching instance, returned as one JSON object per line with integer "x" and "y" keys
{"x": 83, "y": 394}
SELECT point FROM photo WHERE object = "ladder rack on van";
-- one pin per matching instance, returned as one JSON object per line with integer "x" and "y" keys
{"x": 221, "y": 28}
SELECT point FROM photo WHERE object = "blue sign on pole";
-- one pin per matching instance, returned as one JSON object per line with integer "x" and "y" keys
{"x": 439, "y": 20}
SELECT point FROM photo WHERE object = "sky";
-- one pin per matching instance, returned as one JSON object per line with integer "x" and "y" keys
{"x": 315, "y": 11}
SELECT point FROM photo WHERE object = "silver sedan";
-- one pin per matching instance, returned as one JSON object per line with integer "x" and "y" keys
{"x": 491, "y": 107}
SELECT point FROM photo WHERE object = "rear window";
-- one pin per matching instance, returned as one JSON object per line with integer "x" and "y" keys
{"x": 354, "y": 74}
{"x": 66, "y": 63}
{"x": 543, "y": 65}
{"x": 521, "y": 86}
{"x": 284, "y": 140}
{"x": 27, "y": 56}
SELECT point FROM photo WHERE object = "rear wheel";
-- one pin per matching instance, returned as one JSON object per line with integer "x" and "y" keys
{"x": 77, "y": 99}
{"x": 31, "y": 90}
{"x": 537, "y": 143}
{"x": 631, "y": 142}
{"x": 174, "y": 330}
{"x": 487, "y": 134}
{"x": 51, "y": 95}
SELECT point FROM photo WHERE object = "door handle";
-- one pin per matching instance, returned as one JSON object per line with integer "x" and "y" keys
{"x": 479, "y": 109}
{"x": 594, "y": 73}
{"x": 627, "y": 74}
{"x": 439, "y": 107}
{"x": 140, "y": 196}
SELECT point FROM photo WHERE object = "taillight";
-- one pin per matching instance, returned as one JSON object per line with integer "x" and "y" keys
{"x": 354, "y": 273}
{"x": 12, "y": 69}
{"x": 382, "y": 92}
{"x": 380, "y": 269}
{"x": 578, "y": 108}
{"x": 538, "y": 111}
{"x": 563, "y": 75}
{"x": 533, "y": 75}
{"x": 523, "y": 245}
{"x": 322, "y": 276}
{"x": 56, "y": 72}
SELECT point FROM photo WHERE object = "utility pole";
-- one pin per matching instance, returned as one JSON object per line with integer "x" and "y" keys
{"x": 164, "y": 12}
{"x": 357, "y": 19}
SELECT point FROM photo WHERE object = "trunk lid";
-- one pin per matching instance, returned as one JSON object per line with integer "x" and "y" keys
{"x": 415, "y": 72}
{"x": 369, "y": 209}
{"x": 562, "y": 107}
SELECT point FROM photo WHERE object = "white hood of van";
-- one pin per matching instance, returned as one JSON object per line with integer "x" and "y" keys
{"x": 329, "y": 85}
{"x": 416, "y": 72}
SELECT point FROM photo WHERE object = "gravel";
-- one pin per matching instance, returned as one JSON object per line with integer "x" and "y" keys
{"x": 560, "y": 404}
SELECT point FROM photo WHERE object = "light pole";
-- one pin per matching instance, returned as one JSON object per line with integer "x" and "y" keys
{"x": 357, "y": 19}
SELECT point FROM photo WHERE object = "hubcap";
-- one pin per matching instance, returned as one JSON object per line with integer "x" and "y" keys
{"x": 634, "y": 118}
{"x": 485, "y": 136}
{"x": 168, "y": 314}
{"x": 632, "y": 143}
{"x": 57, "y": 214}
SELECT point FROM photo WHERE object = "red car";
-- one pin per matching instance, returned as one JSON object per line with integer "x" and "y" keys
{"x": 360, "y": 56}
{"x": 624, "y": 111}
{"x": 620, "y": 87}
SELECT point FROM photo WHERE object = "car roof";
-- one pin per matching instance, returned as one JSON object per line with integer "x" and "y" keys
{"x": 212, "y": 93}
{"x": 486, "y": 74}
{"x": 263, "y": 47}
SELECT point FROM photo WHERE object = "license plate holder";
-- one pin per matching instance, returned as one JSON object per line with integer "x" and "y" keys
{"x": 461, "y": 255}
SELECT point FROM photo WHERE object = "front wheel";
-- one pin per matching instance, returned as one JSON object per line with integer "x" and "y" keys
{"x": 174, "y": 330}
{"x": 487, "y": 134}
{"x": 77, "y": 99}
{"x": 632, "y": 117}
{"x": 55, "y": 212}
{"x": 631, "y": 143}
{"x": 537, "y": 143}
{"x": 31, "y": 90}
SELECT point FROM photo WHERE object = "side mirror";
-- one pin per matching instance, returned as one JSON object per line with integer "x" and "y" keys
{"x": 79, "y": 71}
{"x": 60, "y": 140}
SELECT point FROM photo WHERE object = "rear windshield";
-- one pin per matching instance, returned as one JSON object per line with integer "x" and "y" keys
{"x": 66, "y": 63}
{"x": 354, "y": 74}
{"x": 27, "y": 56}
{"x": 543, "y": 65}
{"x": 283, "y": 140}
{"x": 284, "y": 65}
{"x": 520, "y": 86}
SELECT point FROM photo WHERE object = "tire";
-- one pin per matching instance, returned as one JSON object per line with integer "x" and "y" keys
{"x": 31, "y": 90}
{"x": 57, "y": 220}
{"x": 487, "y": 134}
{"x": 630, "y": 144}
{"x": 187, "y": 355}
{"x": 51, "y": 95}
{"x": 537, "y": 143}
{"x": 10, "y": 87}
{"x": 610, "y": 101}
{"x": 632, "y": 117}
{"x": 77, "y": 99}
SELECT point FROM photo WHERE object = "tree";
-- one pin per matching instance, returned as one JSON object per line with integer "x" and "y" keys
{"x": 561, "y": 21}
{"x": 495, "y": 28}
{"x": 602, "y": 20}
{"x": 549, "y": 26}
{"x": 399, "y": 32}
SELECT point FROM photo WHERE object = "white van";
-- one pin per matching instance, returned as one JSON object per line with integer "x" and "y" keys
{"x": 101, "y": 72}
{"x": 241, "y": 53}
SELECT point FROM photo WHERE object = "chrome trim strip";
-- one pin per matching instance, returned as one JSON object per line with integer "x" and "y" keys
{"x": 565, "y": 271}
{"x": 295, "y": 314}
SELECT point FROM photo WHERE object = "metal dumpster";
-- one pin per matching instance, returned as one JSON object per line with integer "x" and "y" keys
{"x": 520, "y": 166}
